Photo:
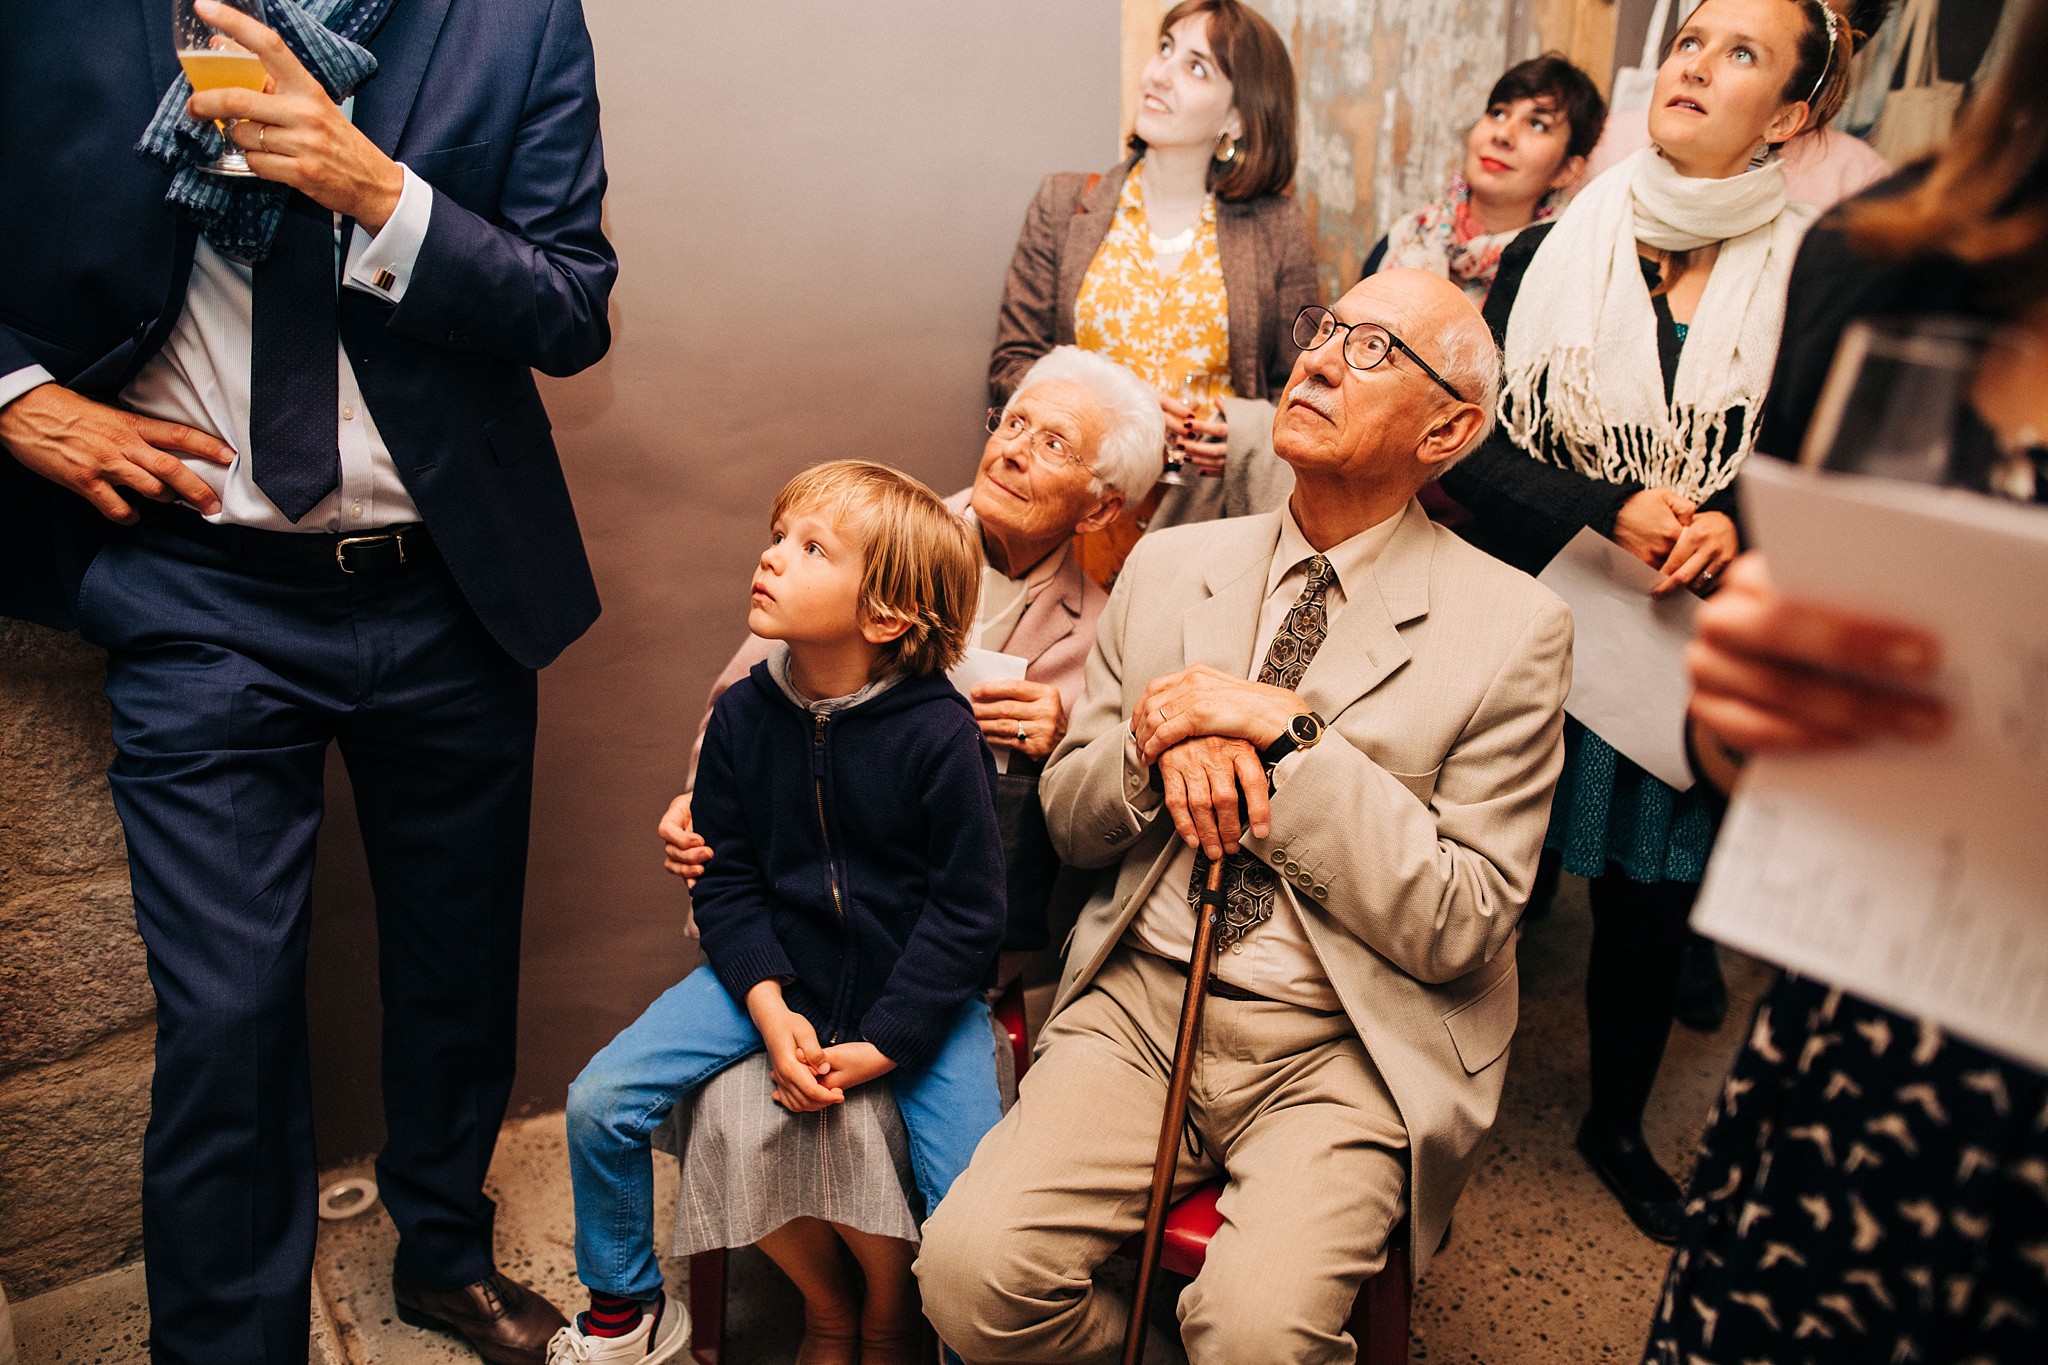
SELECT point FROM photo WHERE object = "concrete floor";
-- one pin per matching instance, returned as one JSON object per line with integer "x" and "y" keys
{"x": 1542, "y": 1266}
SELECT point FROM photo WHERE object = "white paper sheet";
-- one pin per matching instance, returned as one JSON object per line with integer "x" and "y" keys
{"x": 986, "y": 665}
{"x": 1915, "y": 875}
{"x": 1629, "y": 684}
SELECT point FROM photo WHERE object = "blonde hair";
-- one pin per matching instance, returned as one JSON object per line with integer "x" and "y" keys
{"x": 919, "y": 562}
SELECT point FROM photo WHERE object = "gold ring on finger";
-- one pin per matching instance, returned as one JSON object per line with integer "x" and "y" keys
{"x": 262, "y": 132}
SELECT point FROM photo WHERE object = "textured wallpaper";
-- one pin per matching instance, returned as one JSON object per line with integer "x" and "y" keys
{"x": 1388, "y": 88}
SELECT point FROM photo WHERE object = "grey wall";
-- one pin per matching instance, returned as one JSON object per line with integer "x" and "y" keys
{"x": 813, "y": 204}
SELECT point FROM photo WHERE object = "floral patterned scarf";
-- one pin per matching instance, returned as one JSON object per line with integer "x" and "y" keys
{"x": 1445, "y": 239}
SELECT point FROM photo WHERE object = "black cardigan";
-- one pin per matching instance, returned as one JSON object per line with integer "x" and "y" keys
{"x": 1833, "y": 285}
{"x": 858, "y": 859}
{"x": 1526, "y": 508}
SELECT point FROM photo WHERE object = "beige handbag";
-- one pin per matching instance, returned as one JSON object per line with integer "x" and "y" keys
{"x": 1918, "y": 115}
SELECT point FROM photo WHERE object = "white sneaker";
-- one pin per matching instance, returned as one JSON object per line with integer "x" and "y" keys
{"x": 653, "y": 1341}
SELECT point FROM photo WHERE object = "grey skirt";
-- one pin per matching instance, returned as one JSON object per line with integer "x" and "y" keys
{"x": 750, "y": 1166}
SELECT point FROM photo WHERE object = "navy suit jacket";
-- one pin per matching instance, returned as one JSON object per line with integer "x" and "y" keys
{"x": 494, "y": 104}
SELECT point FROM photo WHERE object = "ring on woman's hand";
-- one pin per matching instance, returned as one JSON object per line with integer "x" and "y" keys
{"x": 1020, "y": 732}
{"x": 262, "y": 131}
{"x": 1706, "y": 579}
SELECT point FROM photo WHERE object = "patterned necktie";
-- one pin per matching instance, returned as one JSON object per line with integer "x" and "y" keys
{"x": 1248, "y": 884}
{"x": 294, "y": 375}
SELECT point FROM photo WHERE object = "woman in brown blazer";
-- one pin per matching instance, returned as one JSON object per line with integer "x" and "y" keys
{"x": 1186, "y": 263}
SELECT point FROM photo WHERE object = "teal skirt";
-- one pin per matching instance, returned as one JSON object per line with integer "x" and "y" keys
{"x": 1609, "y": 812}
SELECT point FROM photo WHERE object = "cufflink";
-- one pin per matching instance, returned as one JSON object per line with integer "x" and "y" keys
{"x": 385, "y": 279}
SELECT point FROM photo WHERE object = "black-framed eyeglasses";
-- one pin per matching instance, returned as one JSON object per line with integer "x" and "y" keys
{"x": 1365, "y": 343}
{"x": 1053, "y": 451}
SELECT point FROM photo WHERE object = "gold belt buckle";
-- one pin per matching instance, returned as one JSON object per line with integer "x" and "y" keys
{"x": 341, "y": 548}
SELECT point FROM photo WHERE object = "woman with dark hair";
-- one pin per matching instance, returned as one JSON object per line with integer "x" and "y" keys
{"x": 1789, "y": 1231}
{"x": 1543, "y": 117}
{"x": 1641, "y": 327}
{"x": 1186, "y": 263}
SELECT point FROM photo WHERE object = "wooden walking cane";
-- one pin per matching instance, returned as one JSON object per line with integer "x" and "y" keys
{"x": 1176, "y": 1116}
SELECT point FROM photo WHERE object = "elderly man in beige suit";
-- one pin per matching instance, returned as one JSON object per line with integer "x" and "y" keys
{"x": 1389, "y": 702}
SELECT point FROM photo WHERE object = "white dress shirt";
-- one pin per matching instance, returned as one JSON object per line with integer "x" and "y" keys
{"x": 200, "y": 379}
{"x": 1274, "y": 959}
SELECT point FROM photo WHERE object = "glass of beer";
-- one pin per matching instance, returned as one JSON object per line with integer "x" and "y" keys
{"x": 214, "y": 61}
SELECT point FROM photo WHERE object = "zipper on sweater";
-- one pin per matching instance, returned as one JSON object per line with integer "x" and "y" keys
{"x": 831, "y": 861}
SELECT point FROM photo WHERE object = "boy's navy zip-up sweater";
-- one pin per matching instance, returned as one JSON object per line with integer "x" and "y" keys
{"x": 856, "y": 855}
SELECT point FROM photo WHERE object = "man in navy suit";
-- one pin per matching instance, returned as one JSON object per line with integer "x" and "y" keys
{"x": 307, "y": 494}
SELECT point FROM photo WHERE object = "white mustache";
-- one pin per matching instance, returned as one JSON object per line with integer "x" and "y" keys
{"x": 1315, "y": 392}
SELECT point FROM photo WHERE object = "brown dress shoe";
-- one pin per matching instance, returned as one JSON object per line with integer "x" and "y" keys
{"x": 503, "y": 1321}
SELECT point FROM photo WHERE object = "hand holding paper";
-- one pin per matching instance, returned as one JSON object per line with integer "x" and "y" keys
{"x": 1913, "y": 874}
{"x": 1629, "y": 684}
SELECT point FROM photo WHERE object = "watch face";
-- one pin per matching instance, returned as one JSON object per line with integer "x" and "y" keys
{"x": 1305, "y": 729}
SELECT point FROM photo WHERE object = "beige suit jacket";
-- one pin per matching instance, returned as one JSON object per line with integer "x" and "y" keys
{"x": 1407, "y": 839}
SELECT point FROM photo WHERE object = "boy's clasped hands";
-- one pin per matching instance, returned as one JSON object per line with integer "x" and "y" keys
{"x": 808, "y": 1076}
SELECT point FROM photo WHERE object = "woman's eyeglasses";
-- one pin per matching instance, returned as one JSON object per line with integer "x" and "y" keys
{"x": 1365, "y": 343}
{"x": 1054, "y": 452}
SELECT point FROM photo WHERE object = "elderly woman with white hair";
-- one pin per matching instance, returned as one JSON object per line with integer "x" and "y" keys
{"x": 1077, "y": 437}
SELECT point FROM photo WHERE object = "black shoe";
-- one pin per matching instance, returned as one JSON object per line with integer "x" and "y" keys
{"x": 1702, "y": 993}
{"x": 1650, "y": 1198}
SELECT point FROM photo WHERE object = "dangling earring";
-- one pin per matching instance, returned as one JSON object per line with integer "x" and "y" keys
{"x": 1226, "y": 148}
{"x": 1761, "y": 156}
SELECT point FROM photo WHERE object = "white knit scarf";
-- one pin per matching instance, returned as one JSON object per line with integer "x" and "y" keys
{"x": 1583, "y": 382}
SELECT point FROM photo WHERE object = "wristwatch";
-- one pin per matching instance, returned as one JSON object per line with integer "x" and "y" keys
{"x": 1302, "y": 732}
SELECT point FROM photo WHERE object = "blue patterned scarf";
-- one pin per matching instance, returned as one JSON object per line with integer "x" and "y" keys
{"x": 238, "y": 215}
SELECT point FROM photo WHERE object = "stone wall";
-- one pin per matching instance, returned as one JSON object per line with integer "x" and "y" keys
{"x": 75, "y": 1005}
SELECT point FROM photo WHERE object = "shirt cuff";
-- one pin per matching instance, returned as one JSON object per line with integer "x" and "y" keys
{"x": 13, "y": 386}
{"x": 383, "y": 264}
{"x": 1139, "y": 794}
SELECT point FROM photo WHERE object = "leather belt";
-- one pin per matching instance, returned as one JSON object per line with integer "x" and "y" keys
{"x": 1221, "y": 989}
{"x": 372, "y": 553}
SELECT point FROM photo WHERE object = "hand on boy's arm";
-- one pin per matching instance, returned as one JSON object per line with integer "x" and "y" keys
{"x": 683, "y": 850}
{"x": 793, "y": 1052}
{"x": 852, "y": 1064}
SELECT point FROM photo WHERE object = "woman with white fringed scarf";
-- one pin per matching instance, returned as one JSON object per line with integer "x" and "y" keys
{"x": 1641, "y": 329}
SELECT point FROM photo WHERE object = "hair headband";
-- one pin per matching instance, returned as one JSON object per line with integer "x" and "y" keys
{"x": 1834, "y": 23}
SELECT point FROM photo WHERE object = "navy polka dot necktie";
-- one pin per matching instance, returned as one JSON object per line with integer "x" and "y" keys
{"x": 294, "y": 368}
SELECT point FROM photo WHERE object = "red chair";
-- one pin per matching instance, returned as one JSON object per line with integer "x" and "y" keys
{"x": 1379, "y": 1315}
{"x": 708, "y": 1268}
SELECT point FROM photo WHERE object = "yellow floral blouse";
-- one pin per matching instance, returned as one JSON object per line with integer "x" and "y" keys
{"x": 1170, "y": 328}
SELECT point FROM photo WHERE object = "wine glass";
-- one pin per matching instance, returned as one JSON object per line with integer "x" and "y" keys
{"x": 1194, "y": 393}
{"x": 1903, "y": 400}
{"x": 214, "y": 61}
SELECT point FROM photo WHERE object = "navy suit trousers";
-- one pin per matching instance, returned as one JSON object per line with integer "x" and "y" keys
{"x": 228, "y": 680}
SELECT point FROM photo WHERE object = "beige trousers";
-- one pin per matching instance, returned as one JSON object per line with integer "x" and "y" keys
{"x": 1287, "y": 1104}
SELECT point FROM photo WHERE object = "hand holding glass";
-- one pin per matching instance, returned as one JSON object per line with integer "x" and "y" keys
{"x": 213, "y": 61}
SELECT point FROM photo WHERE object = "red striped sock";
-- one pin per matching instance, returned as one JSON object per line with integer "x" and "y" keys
{"x": 610, "y": 1315}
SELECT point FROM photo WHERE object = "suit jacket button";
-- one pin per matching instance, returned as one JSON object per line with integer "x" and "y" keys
{"x": 1305, "y": 879}
{"x": 1319, "y": 892}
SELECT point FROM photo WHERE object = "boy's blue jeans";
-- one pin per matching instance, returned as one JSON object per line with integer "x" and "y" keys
{"x": 694, "y": 1031}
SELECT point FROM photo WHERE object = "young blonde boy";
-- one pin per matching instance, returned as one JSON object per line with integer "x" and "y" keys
{"x": 855, "y": 907}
